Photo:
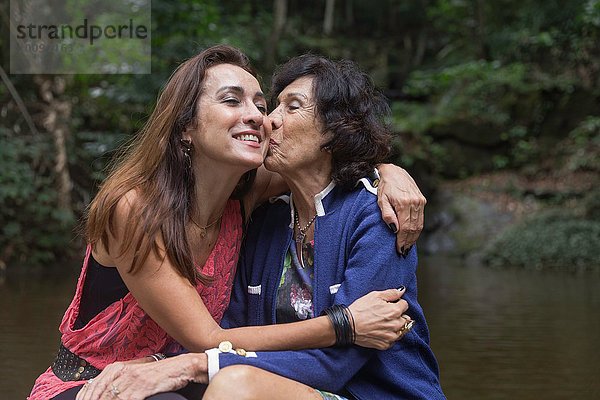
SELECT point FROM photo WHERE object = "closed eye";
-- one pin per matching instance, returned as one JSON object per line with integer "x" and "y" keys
{"x": 293, "y": 104}
{"x": 262, "y": 108}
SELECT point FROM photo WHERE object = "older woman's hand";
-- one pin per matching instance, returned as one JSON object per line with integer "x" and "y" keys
{"x": 379, "y": 318}
{"x": 402, "y": 205}
{"x": 135, "y": 380}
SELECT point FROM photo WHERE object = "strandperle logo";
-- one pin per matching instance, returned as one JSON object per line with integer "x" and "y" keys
{"x": 83, "y": 31}
{"x": 80, "y": 37}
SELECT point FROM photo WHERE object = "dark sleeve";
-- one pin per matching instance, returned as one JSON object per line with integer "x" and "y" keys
{"x": 236, "y": 314}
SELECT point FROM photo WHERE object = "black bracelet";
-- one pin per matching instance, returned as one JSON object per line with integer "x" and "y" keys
{"x": 340, "y": 316}
{"x": 353, "y": 326}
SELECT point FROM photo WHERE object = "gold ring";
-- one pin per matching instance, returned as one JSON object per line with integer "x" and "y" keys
{"x": 407, "y": 327}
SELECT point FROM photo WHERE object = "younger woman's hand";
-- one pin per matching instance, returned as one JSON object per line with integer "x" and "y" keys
{"x": 133, "y": 380}
{"x": 379, "y": 318}
{"x": 402, "y": 204}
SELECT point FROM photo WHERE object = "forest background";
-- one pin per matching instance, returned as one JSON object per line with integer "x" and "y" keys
{"x": 495, "y": 112}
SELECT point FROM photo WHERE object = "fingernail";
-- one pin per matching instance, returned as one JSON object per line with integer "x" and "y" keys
{"x": 406, "y": 251}
{"x": 401, "y": 288}
{"x": 403, "y": 252}
{"x": 393, "y": 228}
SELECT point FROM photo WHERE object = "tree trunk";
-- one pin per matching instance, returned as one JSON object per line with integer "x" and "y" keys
{"x": 55, "y": 119}
{"x": 421, "y": 47}
{"x": 328, "y": 19}
{"x": 18, "y": 101}
{"x": 480, "y": 32}
{"x": 349, "y": 14}
{"x": 279, "y": 18}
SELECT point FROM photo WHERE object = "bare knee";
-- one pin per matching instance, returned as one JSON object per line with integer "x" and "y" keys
{"x": 234, "y": 382}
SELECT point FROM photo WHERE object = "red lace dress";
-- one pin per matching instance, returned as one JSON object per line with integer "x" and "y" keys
{"x": 123, "y": 331}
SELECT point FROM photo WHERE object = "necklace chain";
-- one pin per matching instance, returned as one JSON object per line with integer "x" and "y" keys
{"x": 302, "y": 231}
{"x": 204, "y": 228}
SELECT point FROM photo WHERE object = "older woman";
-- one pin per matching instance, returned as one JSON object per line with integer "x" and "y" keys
{"x": 312, "y": 252}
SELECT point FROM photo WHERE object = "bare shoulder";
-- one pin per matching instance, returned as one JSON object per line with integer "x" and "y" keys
{"x": 123, "y": 214}
{"x": 126, "y": 204}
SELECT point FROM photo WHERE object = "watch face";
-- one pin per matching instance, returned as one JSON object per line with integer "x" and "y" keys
{"x": 225, "y": 347}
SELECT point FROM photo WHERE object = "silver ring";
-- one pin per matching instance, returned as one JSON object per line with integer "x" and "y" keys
{"x": 115, "y": 391}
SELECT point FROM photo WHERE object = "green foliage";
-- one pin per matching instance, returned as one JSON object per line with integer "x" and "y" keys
{"x": 484, "y": 105}
{"x": 503, "y": 111}
{"x": 582, "y": 147}
{"x": 553, "y": 239}
{"x": 33, "y": 229}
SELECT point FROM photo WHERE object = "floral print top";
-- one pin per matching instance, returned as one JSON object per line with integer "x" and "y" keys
{"x": 295, "y": 293}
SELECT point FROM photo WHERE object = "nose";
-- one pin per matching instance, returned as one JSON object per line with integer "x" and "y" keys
{"x": 276, "y": 119}
{"x": 253, "y": 117}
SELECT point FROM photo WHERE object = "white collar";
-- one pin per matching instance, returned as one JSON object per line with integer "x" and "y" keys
{"x": 319, "y": 198}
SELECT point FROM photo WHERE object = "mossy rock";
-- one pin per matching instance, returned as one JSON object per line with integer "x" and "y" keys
{"x": 549, "y": 240}
{"x": 460, "y": 224}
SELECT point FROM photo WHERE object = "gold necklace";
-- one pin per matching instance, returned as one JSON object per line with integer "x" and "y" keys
{"x": 204, "y": 228}
{"x": 302, "y": 231}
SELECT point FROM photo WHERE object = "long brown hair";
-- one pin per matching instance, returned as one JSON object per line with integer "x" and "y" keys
{"x": 154, "y": 165}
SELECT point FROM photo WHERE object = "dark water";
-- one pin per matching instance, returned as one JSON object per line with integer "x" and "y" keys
{"x": 498, "y": 334}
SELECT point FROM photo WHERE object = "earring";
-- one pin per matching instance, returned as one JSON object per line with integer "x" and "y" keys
{"x": 187, "y": 151}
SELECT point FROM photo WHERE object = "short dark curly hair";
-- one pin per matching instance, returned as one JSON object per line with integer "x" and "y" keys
{"x": 350, "y": 108}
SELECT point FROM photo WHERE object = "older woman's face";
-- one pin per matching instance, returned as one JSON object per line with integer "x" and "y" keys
{"x": 296, "y": 139}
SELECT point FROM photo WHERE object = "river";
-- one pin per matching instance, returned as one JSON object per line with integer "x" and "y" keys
{"x": 497, "y": 333}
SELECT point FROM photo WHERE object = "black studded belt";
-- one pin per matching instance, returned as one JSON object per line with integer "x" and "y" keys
{"x": 69, "y": 366}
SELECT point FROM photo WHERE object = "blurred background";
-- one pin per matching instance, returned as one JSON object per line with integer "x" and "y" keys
{"x": 496, "y": 115}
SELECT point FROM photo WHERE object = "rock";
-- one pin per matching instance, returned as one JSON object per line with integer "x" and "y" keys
{"x": 460, "y": 224}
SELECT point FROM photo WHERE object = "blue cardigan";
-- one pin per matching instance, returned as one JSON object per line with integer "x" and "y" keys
{"x": 354, "y": 254}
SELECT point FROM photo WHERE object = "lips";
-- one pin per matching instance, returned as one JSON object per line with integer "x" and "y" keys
{"x": 248, "y": 137}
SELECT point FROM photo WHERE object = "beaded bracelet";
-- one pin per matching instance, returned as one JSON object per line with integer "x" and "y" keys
{"x": 340, "y": 317}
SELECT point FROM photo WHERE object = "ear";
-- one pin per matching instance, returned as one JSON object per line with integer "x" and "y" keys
{"x": 186, "y": 135}
{"x": 326, "y": 138}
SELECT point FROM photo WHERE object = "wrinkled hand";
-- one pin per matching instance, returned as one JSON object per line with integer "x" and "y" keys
{"x": 379, "y": 318}
{"x": 402, "y": 205}
{"x": 133, "y": 381}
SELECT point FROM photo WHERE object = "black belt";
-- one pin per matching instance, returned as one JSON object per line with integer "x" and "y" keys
{"x": 69, "y": 366}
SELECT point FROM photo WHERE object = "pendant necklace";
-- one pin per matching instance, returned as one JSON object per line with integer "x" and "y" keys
{"x": 302, "y": 231}
{"x": 204, "y": 228}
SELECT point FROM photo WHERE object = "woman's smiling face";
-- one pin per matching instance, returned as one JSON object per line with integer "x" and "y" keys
{"x": 232, "y": 126}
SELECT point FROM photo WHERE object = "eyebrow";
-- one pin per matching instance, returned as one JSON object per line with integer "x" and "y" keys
{"x": 296, "y": 94}
{"x": 240, "y": 90}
